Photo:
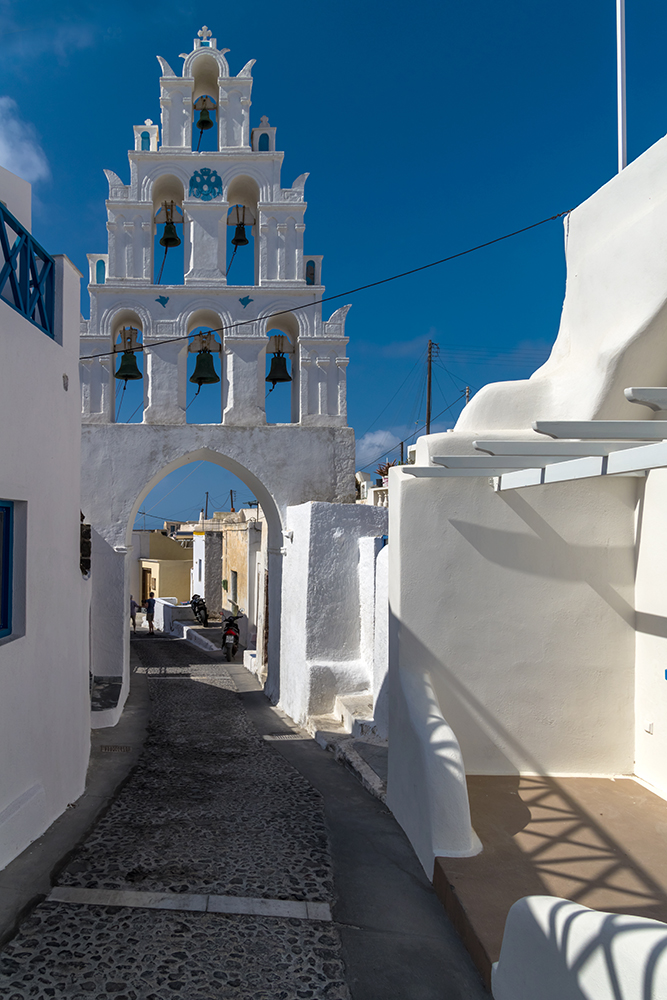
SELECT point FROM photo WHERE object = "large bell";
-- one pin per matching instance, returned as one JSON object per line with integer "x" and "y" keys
{"x": 171, "y": 237}
{"x": 278, "y": 370}
{"x": 128, "y": 369}
{"x": 204, "y": 373}
{"x": 204, "y": 122}
{"x": 240, "y": 239}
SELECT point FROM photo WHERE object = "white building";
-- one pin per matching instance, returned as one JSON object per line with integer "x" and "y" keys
{"x": 528, "y": 627}
{"x": 44, "y": 597}
{"x": 309, "y": 458}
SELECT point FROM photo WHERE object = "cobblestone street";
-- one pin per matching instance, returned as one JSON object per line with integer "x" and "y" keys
{"x": 216, "y": 870}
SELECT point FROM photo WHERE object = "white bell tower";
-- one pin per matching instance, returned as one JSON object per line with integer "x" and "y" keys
{"x": 211, "y": 190}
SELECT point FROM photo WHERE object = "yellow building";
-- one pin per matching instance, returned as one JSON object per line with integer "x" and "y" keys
{"x": 163, "y": 566}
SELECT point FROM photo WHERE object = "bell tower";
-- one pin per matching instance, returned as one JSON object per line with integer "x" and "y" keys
{"x": 203, "y": 170}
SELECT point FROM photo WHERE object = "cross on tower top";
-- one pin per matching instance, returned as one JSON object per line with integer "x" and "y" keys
{"x": 204, "y": 33}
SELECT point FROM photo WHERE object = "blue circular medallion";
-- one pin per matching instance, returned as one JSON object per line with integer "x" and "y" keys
{"x": 205, "y": 184}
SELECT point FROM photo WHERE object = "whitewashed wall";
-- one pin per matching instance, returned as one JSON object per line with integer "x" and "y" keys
{"x": 328, "y": 604}
{"x": 44, "y": 690}
{"x": 651, "y": 633}
{"x": 512, "y": 641}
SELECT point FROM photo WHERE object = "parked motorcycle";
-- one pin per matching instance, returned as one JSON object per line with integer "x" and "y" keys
{"x": 230, "y": 635}
{"x": 198, "y": 605}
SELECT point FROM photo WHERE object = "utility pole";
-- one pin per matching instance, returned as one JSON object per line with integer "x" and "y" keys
{"x": 620, "y": 85}
{"x": 206, "y": 508}
{"x": 231, "y": 501}
{"x": 429, "y": 363}
{"x": 467, "y": 394}
{"x": 401, "y": 453}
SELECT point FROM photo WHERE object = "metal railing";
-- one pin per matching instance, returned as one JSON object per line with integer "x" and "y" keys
{"x": 27, "y": 274}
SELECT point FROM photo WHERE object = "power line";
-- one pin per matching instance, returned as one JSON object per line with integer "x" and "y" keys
{"x": 388, "y": 451}
{"x": 351, "y": 291}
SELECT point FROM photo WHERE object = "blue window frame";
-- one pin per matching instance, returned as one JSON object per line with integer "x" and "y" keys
{"x": 145, "y": 140}
{"x": 100, "y": 272}
{"x": 6, "y": 566}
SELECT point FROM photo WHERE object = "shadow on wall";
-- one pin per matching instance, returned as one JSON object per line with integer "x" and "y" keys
{"x": 548, "y": 554}
{"x": 558, "y": 950}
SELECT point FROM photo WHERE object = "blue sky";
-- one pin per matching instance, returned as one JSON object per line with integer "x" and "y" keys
{"x": 426, "y": 128}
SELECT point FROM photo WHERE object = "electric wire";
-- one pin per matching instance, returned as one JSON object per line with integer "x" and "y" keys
{"x": 176, "y": 486}
{"x": 390, "y": 450}
{"x": 350, "y": 291}
{"x": 370, "y": 427}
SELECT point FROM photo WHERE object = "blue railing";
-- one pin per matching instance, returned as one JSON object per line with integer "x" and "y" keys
{"x": 27, "y": 273}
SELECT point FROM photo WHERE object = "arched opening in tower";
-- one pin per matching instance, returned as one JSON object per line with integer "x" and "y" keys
{"x": 282, "y": 401}
{"x": 242, "y": 259}
{"x": 129, "y": 394}
{"x": 204, "y": 398}
{"x": 168, "y": 260}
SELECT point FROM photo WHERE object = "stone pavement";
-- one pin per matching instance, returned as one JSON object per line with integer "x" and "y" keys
{"x": 218, "y": 868}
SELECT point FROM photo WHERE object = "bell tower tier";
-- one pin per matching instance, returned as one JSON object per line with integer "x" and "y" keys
{"x": 200, "y": 177}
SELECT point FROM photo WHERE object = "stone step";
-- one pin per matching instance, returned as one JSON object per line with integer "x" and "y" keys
{"x": 355, "y": 712}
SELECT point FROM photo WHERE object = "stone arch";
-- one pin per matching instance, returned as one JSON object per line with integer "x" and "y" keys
{"x": 295, "y": 324}
{"x": 159, "y": 171}
{"x": 124, "y": 314}
{"x": 262, "y": 192}
{"x": 191, "y": 64}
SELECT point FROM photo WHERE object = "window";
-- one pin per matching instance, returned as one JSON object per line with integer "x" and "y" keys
{"x": 6, "y": 565}
{"x": 145, "y": 140}
{"x": 200, "y": 570}
{"x": 234, "y": 589}
{"x": 310, "y": 272}
{"x": 263, "y": 146}
{"x": 100, "y": 272}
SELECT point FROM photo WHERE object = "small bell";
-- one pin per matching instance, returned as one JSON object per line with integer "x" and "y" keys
{"x": 128, "y": 368}
{"x": 170, "y": 237}
{"x": 278, "y": 370}
{"x": 240, "y": 239}
{"x": 205, "y": 121}
{"x": 204, "y": 373}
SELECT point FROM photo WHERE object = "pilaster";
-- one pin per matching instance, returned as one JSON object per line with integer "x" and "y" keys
{"x": 245, "y": 392}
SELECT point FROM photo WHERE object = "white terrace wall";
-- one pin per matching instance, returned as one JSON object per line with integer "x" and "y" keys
{"x": 328, "y": 604}
{"x": 44, "y": 689}
{"x": 513, "y": 645}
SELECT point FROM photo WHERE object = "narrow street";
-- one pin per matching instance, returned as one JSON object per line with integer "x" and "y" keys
{"x": 231, "y": 865}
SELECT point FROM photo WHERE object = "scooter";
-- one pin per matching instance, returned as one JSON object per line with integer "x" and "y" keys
{"x": 230, "y": 636}
{"x": 198, "y": 605}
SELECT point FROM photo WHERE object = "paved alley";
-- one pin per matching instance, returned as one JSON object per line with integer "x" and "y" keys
{"x": 232, "y": 865}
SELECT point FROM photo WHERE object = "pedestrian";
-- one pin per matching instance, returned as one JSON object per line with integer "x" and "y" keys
{"x": 150, "y": 611}
{"x": 134, "y": 607}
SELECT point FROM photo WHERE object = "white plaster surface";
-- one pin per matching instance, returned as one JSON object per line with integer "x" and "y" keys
{"x": 517, "y": 609}
{"x": 651, "y": 633}
{"x": 558, "y": 950}
{"x": 44, "y": 688}
{"x": 325, "y": 649}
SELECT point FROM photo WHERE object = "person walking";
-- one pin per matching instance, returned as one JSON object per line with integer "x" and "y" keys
{"x": 134, "y": 607}
{"x": 150, "y": 611}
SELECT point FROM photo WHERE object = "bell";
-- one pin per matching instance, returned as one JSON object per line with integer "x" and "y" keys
{"x": 204, "y": 373}
{"x": 240, "y": 239}
{"x": 128, "y": 368}
{"x": 204, "y": 122}
{"x": 171, "y": 237}
{"x": 278, "y": 370}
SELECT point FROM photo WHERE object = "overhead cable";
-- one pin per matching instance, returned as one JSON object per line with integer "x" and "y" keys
{"x": 350, "y": 291}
